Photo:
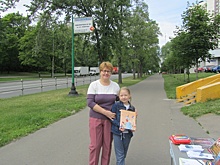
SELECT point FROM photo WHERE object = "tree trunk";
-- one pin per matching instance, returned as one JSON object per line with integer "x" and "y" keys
{"x": 119, "y": 71}
{"x": 133, "y": 70}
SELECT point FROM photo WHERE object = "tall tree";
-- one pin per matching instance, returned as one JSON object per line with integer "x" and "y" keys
{"x": 201, "y": 32}
{"x": 142, "y": 34}
{"x": 104, "y": 14}
{"x": 13, "y": 28}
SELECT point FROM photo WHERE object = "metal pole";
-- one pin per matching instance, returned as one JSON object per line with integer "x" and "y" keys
{"x": 53, "y": 55}
{"x": 73, "y": 91}
{"x": 41, "y": 85}
{"x": 55, "y": 82}
{"x": 22, "y": 87}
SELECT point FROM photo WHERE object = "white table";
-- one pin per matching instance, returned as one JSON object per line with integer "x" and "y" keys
{"x": 175, "y": 154}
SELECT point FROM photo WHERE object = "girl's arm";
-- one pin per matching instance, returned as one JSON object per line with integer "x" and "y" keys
{"x": 114, "y": 110}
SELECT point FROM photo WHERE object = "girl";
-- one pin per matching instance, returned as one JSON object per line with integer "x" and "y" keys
{"x": 121, "y": 136}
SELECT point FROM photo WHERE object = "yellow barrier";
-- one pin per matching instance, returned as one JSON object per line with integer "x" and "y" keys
{"x": 210, "y": 91}
{"x": 186, "y": 89}
{"x": 214, "y": 81}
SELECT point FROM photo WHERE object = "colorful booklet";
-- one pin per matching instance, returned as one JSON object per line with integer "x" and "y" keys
{"x": 128, "y": 120}
{"x": 215, "y": 148}
{"x": 204, "y": 142}
{"x": 180, "y": 139}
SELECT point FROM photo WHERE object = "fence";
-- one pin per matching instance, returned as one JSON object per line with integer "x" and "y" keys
{"x": 21, "y": 88}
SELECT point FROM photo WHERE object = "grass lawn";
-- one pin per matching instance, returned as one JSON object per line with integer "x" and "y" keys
{"x": 23, "y": 115}
{"x": 171, "y": 81}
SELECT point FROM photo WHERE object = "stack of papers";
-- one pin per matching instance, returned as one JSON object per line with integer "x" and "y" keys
{"x": 185, "y": 148}
{"x": 199, "y": 155}
{"x": 184, "y": 161}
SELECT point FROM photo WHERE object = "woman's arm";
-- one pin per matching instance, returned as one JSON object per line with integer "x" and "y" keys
{"x": 93, "y": 105}
{"x": 103, "y": 111}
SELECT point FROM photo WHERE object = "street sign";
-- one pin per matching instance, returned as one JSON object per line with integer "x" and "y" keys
{"x": 83, "y": 25}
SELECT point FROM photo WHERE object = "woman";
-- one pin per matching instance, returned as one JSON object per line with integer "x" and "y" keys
{"x": 101, "y": 95}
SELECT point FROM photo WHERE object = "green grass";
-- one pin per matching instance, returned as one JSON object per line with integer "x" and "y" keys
{"x": 199, "y": 109}
{"x": 26, "y": 114}
{"x": 195, "y": 110}
{"x": 23, "y": 115}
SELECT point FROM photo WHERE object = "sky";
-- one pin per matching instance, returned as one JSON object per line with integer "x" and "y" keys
{"x": 167, "y": 13}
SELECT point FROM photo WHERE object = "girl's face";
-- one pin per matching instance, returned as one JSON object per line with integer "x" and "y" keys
{"x": 124, "y": 96}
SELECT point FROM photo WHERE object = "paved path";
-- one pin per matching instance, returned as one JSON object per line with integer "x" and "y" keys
{"x": 66, "y": 141}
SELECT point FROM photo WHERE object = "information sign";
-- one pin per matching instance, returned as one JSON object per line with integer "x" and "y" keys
{"x": 83, "y": 25}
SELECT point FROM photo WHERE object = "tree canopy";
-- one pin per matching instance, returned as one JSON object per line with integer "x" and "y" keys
{"x": 198, "y": 35}
{"x": 123, "y": 30}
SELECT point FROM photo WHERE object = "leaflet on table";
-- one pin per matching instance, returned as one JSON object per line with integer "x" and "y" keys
{"x": 185, "y": 161}
{"x": 204, "y": 142}
{"x": 185, "y": 148}
{"x": 199, "y": 155}
{"x": 215, "y": 148}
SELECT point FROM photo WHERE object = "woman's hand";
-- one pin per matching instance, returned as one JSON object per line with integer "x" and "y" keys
{"x": 110, "y": 115}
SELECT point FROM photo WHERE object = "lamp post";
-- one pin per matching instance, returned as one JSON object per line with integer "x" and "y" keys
{"x": 53, "y": 55}
{"x": 73, "y": 91}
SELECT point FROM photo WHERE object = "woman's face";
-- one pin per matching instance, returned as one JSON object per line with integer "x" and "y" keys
{"x": 105, "y": 73}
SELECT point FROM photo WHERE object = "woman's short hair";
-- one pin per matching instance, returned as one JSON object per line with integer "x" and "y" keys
{"x": 107, "y": 65}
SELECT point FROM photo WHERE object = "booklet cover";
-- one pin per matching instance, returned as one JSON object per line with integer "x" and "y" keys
{"x": 215, "y": 148}
{"x": 128, "y": 120}
{"x": 180, "y": 139}
{"x": 185, "y": 161}
{"x": 199, "y": 155}
{"x": 204, "y": 142}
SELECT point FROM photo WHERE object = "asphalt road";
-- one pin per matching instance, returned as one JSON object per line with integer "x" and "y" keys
{"x": 66, "y": 141}
{"x": 18, "y": 88}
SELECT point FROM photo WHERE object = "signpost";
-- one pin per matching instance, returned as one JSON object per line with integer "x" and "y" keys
{"x": 83, "y": 25}
{"x": 79, "y": 25}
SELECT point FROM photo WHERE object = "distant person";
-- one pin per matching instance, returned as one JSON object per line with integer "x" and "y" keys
{"x": 121, "y": 136}
{"x": 101, "y": 95}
